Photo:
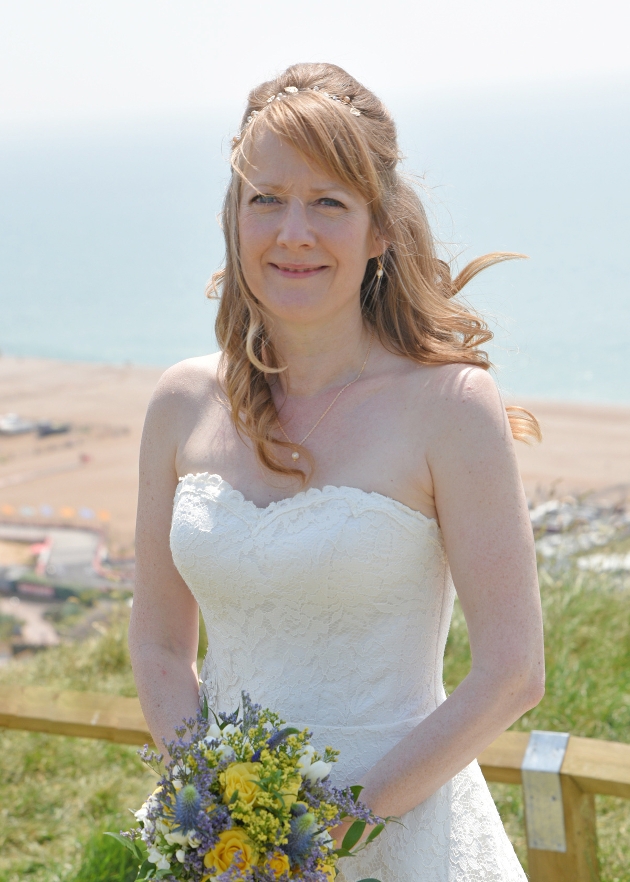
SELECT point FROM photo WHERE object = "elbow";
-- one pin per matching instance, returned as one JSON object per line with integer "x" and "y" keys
{"x": 527, "y": 688}
{"x": 533, "y": 694}
{"x": 517, "y": 688}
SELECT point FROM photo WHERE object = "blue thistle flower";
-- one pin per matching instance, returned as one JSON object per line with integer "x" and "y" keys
{"x": 274, "y": 740}
{"x": 279, "y": 736}
{"x": 298, "y": 808}
{"x": 300, "y": 840}
{"x": 187, "y": 805}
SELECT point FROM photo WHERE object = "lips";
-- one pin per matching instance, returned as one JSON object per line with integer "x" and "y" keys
{"x": 297, "y": 270}
{"x": 288, "y": 268}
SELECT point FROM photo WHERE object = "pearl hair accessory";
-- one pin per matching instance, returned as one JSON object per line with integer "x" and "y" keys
{"x": 291, "y": 90}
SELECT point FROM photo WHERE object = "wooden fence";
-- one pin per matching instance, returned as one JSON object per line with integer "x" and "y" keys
{"x": 589, "y": 766}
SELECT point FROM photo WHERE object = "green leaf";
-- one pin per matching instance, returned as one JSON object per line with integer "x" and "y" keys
{"x": 144, "y": 871}
{"x": 369, "y": 880}
{"x": 356, "y": 790}
{"x": 128, "y": 843}
{"x": 233, "y": 798}
{"x": 343, "y": 852}
{"x": 353, "y": 834}
{"x": 204, "y": 710}
{"x": 375, "y": 832}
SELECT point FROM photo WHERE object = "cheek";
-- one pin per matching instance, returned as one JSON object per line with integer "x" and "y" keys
{"x": 253, "y": 242}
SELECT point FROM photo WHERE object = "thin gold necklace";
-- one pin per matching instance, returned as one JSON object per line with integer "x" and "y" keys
{"x": 296, "y": 455}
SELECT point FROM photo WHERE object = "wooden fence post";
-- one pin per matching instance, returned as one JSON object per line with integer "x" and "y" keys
{"x": 559, "y": 815}
{"x": 579, "y": 862}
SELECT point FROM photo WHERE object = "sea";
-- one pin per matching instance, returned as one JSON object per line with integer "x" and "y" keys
{"x": 109, "y": 231}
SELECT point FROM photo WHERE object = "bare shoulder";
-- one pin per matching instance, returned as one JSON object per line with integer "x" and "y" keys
{"x": 463, "y": 400}
{"x": 186, "y": 382}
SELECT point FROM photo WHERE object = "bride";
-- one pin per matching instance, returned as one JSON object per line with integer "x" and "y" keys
{"x": 314, "y": 486}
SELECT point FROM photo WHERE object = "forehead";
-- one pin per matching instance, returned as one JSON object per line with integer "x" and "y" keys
{"x": 272, "y": 161}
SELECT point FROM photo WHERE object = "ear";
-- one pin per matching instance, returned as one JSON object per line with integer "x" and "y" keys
{"x": 379, "y": 244}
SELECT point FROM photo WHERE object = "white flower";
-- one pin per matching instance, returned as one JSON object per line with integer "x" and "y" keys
{"x": 151, "y": 803}
{"x": 154, "y": 855}
{"x": 162, "y": 826}
{"x": 180, "y": 854}
{"x": 306, "y": 758}
{"x": 193, "y": 839}
{"x": 317, "y": 771}
{"x": 225, "y": 750}
{"x": 324, "y": 837}
{"x": 176, "y": 838}
{"x": 163, "y": 863}
{"x": 217, "y": 734}
{"x": 214, "y": 733}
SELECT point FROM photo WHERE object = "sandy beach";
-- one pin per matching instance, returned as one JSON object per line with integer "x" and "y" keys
{"x": 88, "y": 475}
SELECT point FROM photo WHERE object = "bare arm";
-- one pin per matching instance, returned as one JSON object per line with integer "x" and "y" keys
{"x": 486, "y": 529}
{"x": 164, "y": 627}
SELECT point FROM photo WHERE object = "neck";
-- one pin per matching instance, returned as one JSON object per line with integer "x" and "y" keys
{"x": 317, "y": 358}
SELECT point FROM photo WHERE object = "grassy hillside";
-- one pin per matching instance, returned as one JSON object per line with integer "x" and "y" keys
{"x": 59, "y": 793}
{"x": 587, "y": 654}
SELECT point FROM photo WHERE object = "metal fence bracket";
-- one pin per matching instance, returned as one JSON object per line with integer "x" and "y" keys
{"x": 542, "y": 791}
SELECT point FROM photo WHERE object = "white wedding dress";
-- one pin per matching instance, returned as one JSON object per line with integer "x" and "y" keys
{"x": 332, "y": 608}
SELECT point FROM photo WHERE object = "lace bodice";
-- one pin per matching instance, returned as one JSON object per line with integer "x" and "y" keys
{"x": 332, "y": 607}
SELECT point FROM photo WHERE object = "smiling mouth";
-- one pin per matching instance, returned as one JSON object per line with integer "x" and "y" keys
{"x": 297, "y": 270}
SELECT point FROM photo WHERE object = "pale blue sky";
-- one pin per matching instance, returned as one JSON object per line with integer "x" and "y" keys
{"x": 73, "y": 60}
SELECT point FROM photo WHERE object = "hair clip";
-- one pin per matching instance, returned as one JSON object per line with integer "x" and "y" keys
{"x": 292, "y": 90}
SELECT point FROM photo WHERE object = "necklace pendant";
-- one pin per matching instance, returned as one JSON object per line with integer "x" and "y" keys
{"x": 295, "y": 455}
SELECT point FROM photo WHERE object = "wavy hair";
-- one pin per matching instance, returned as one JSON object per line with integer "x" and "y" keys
{"x": 411, "y": 307}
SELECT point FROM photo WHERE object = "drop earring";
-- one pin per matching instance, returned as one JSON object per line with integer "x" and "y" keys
{"x": 379, "y": 267}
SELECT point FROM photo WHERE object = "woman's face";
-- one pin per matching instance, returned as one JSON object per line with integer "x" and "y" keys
{"x": 305, "y": 238}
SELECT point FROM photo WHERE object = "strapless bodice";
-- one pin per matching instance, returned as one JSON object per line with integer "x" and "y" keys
{"x": 332, "y": 606}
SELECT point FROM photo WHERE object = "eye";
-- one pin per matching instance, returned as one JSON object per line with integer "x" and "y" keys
{"x": 262, "y": 199}
{"x": 329, "y": 202}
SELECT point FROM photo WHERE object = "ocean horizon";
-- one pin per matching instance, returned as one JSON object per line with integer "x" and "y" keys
{"x": 108, "y": 234}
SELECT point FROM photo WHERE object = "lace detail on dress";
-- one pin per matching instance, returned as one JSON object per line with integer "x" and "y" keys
{"x": 333, "y": 607}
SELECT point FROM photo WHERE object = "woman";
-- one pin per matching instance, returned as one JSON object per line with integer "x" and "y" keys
{"x": 345, "y": 454}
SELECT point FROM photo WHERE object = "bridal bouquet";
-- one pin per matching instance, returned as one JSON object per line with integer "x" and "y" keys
{"x": 245, "y": 800}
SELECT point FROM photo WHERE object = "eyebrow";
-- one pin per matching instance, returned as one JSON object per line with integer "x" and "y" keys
{"x": 265, "y": 186}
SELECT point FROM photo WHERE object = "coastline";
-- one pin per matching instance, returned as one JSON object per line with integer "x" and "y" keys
{"x": 89, "y": 474}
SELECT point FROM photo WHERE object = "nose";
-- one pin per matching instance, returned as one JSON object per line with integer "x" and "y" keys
{"x": 295, "y": 229}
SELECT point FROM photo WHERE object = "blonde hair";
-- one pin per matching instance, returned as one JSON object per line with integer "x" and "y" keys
{"x": 410, "y": 308}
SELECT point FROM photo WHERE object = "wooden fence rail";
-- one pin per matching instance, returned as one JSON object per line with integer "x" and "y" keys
{"x": 589, "y": 766}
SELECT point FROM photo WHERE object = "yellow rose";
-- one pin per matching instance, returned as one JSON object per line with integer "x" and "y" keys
{"x": 230, "y": 843}
{"x": 290, "y": 792}
{"x": 244, "y": 778}
{"x": 278, "y": 863}
{"x": 330, "y": 872}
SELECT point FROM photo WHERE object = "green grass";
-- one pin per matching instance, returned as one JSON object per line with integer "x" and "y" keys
{"x": 587, "y": 653}
{"x": 59, "y": 794}
{"x": 9, "y": 626}
{"x": 57, "y": 791}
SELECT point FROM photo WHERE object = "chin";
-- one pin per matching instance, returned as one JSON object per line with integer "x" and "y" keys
{"x": 296, "y": 309}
